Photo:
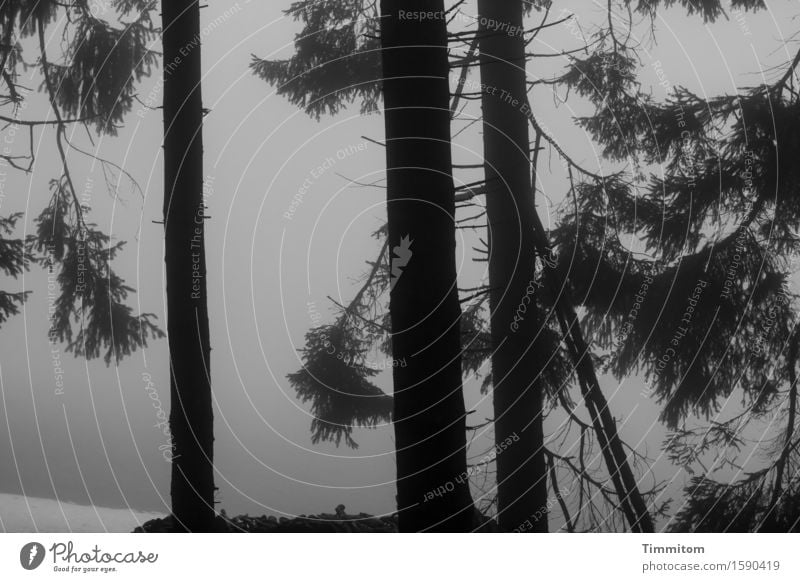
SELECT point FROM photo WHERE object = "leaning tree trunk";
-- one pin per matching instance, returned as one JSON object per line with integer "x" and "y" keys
{"x": 429, "y": 414}
{"x": 516, "y": 357}
{"x": 191, "y": 416}
{"x": 631, "y": 500}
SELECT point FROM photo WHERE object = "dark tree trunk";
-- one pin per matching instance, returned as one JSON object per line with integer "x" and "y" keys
{"x": 429, "y": 414}
{"x": 516, "y": 359}
{"x": 191, "y": 415}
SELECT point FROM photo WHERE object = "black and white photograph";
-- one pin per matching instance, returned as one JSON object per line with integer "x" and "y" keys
{"x": 455, "y": 267}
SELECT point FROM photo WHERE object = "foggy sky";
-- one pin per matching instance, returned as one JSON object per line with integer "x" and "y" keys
{"x": 268, "y": 275}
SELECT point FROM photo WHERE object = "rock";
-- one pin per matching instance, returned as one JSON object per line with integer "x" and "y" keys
{"x": 338, "y": 522}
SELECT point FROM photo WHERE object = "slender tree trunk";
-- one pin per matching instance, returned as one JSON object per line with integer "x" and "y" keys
{"x": 429, "y": 414}
{"x": 516, "y": 359}
{"x": 191, "y": 415}
{"x": 631, "y": 500}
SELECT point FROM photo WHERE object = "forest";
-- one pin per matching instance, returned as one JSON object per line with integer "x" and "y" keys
{"x": 420, "y": 266}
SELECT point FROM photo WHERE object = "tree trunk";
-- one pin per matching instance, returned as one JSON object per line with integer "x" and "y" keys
{"x": 429, "y": 414}
{"x": 632, "y": 502}
{"x": 191, "y": 415}
{"x": 516, "y": 359}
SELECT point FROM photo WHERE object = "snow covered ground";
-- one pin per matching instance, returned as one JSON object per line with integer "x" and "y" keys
{"x": 34, "y": 514}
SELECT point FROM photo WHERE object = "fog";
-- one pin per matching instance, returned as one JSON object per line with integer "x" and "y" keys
{"x": 288, "y": 228}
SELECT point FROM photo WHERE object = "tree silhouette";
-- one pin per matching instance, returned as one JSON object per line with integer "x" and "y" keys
{"x": 335, "y": 389}
{"x": 191, "y": 414}
{"x": 90, "y": 82}
{"x": 429, "y": 415}
{"x": 518, "y": 353}
{"x": 705, "y": 313}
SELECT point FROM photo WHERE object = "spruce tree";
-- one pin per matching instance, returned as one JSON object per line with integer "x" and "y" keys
{"x": 191, "y": 413}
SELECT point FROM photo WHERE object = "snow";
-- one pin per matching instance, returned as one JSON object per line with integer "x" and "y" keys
{"x": 35, "y": 514}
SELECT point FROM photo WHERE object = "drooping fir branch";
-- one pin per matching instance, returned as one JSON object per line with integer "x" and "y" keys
{"x": 719, "y": 224}
{"x": 707, "y": 219}
{"x": 709, "y": 10}
{"x": 763, "y": 500}
{"x": 90, "y": 313}
{"x": 335, "y": 376}
{"x": 14, "y": 260}
{"x": 336, "y": 59}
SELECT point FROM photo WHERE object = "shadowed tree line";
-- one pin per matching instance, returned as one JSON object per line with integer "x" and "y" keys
{"x": 583, "y": 261}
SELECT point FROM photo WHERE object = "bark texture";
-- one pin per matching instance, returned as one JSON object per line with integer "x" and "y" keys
{"x": 429, "y": 413}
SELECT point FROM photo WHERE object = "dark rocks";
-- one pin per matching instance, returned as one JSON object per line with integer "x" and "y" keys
{"x": 338, "y": 522}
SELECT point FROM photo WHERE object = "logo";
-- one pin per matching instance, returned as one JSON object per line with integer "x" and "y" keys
{"x": 402, "y": 254}
{"x": 31, "y": 555}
